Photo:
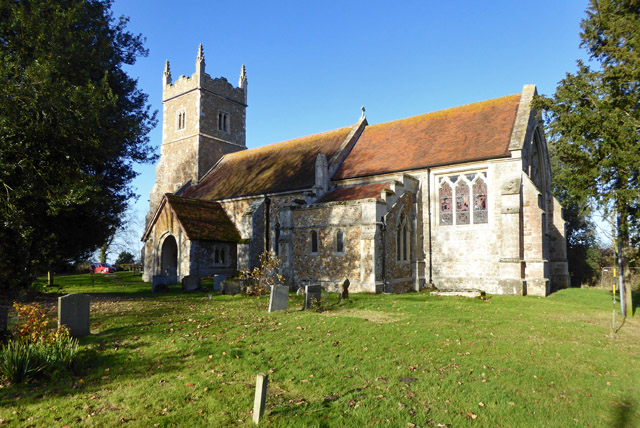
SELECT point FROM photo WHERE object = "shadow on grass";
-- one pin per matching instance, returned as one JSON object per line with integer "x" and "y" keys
{"x": 622, "y": 416}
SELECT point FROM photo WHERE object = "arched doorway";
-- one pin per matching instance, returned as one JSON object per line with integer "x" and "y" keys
{"x": 169, "y": 259}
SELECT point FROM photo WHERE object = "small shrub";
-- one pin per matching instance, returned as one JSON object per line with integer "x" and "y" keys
{"x": 20, "y": 361}
{"x": 33, "y": 323}
{"x": 38, "y": 348}
{"x": 259, "y": 281}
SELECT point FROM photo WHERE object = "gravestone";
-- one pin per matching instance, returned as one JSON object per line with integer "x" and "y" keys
{"x": 159, "y": 284}
{"x": 191, "y": 282}
{"x": 344, "y": 290}
{"x": 279, "y": 297}
{"x": 230, "y": 286}
{"x": 311, "y": 293}
{"x": 217, "y": 282}
{"x": 73, "y": 312}
{"x": 4, "y": 318}
{"x": 262, "y": 380}
{"x": 172, "y": 275}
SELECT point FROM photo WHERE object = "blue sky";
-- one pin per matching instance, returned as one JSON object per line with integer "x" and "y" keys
{"x": 312, "y": 65}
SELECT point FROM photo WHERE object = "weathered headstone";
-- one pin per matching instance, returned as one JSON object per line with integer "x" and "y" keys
{"x": 172, "y": 275}
{"x": 191, "y": 282}
{"x": 159, "y": 284}
{"x": 230, "y": 286}
{"x": 300, "y": 291}
{"x": 344, "y": 290}
{"x": 261, "y": 396}
{"x": 73, "y": 312}
{"x": 311, "y": 293}
{"x": 279, "y": 297}
{"x": 217, "y": 282}
{"x": 4, "y": 318}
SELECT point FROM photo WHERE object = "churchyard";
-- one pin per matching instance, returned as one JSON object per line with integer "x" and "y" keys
{"x": 410, "y": 360}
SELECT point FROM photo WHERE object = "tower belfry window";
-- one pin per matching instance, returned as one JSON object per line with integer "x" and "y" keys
{"x": 181, "y": 122}
{"x": 223, "y": 121}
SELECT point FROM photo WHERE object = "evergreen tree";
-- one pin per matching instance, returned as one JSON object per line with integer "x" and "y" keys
{"x": 72, "y": 124}
{"x": 594, "y": 120}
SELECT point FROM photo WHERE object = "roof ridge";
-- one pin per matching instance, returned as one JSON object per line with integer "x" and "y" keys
{"x": 291, "y": 141}
{"x": 444, "y": 110}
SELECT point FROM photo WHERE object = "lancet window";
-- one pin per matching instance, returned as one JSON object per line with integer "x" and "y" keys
{"x": 339, "y": 241}
{"x": 403, "y": 239}
{"x": 314, "y": 242}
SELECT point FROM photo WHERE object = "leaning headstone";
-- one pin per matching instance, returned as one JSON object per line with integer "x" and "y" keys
{"x": 4, "y": 318}
{"x": 279, "y": 297}
{"x": 230, "y": 286}
{"x": 311, "y": 293}
{"x": 217, "y": 282}
{"x": 73, "y": 312}
{"x": 191, "y": 282}
{"x": 261, "y": 397}
{"x": 159, "y": 284}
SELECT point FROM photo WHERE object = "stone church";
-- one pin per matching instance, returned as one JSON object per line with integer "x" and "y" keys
{"x": 457, "y": 199}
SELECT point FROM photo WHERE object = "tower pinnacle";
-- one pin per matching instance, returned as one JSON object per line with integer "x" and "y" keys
{"x": 242, "y": 82}
{"x": 166, "y": 77}
{"x": 200, "y": 61}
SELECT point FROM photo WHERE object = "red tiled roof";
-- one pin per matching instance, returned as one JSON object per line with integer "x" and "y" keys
{"x": 289, "y": 165}
{"x": 471, "y": 132}
{"x": 203, "y": 219}
{"x": 364, "y": 191}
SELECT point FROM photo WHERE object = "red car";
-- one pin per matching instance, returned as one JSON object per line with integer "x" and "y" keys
{"x": 101, "y": 268}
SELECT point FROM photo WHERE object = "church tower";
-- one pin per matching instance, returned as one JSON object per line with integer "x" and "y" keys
{"x": 202, "y": 120}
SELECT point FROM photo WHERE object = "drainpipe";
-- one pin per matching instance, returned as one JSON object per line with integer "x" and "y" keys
{"x": 267, "y": 206}
{"x": 429, "y": 217}
{"x": 383, "y": 227}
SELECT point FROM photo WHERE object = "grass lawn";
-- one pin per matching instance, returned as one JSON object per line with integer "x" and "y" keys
{"x": 181, "y": 359}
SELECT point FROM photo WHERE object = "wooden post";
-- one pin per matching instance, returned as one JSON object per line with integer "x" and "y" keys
{"x": 261, "y": 396}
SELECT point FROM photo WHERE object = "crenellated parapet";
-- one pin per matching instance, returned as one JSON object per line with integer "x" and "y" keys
{"x": 201, "y": 80}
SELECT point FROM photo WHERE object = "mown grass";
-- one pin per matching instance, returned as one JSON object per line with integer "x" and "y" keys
{"x": 181, "y": 359}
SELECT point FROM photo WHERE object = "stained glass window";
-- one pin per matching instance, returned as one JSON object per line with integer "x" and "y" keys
{"x": 480, "y": 201}
{"x": 462, "y": 203}
{"x": 446, "y": 204}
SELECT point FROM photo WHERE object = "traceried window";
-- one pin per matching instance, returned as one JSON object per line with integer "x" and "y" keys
{"x": 181, "y": 120}
{"x": 469, "y": 191}
{"x": 223, "y": 121}
{"x": 402, "y": 239}
{"x": 339, "y": 241}
{"x": 314, "y": 242}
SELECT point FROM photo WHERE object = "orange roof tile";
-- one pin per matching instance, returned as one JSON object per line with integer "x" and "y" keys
{"x": 203, "y": 219}
{"x": 289, "y": 165}
{"x": 471, "y": 132}
{"x": 364, "y": 191}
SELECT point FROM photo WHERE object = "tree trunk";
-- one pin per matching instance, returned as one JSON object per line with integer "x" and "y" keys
{"x": 621, "y": 283}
